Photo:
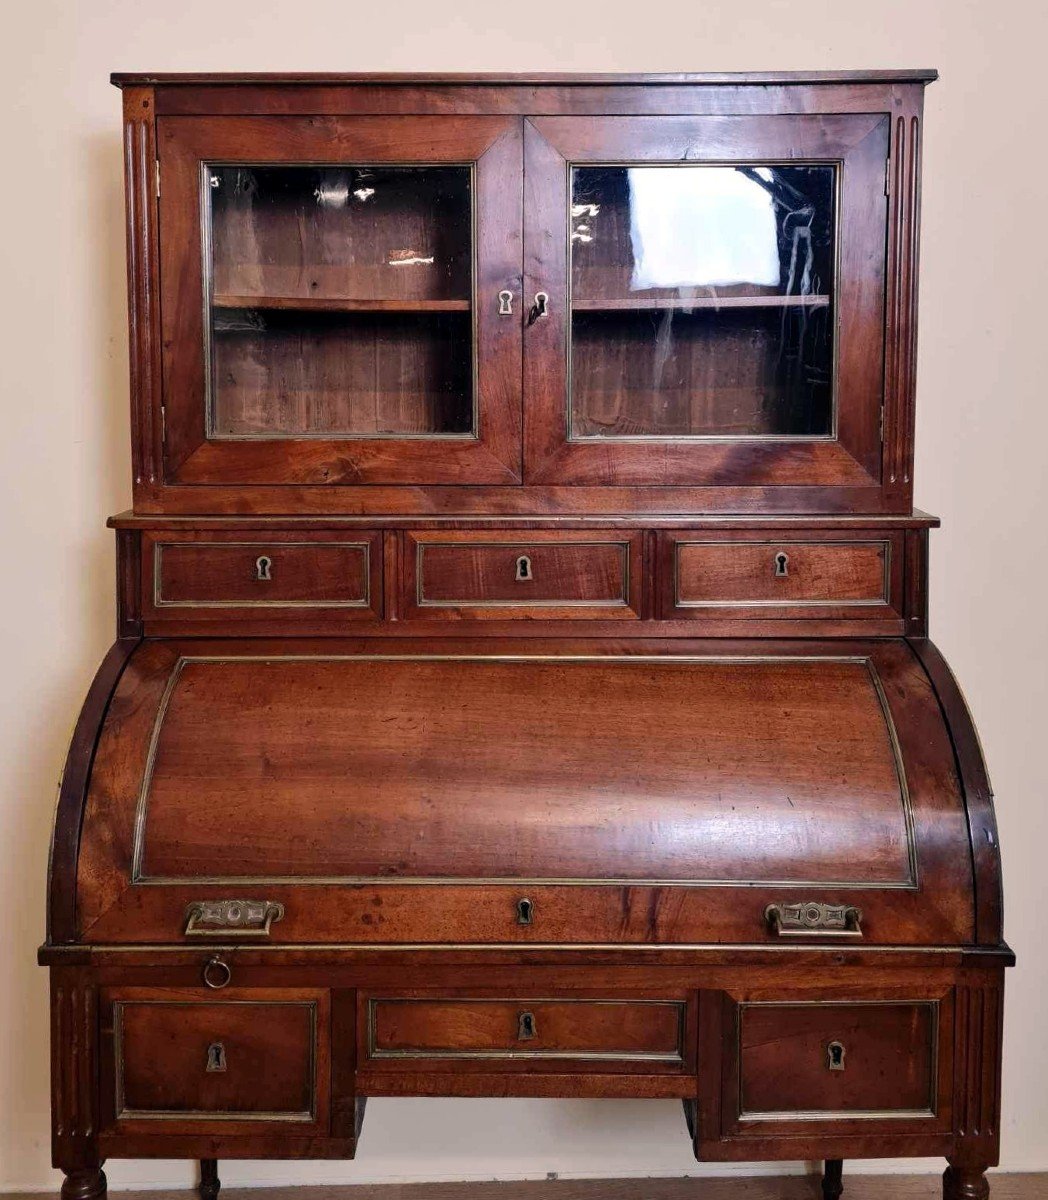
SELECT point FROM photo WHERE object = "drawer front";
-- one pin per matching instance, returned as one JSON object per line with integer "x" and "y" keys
{"x": 215, "y": 575}
{"x": 245, "y": 1060}
{"x": 794, "y": 577}
{"x": 833, "y": 1061}
{"x": 535, "y": 574}
{"x": 643, "y": 1034}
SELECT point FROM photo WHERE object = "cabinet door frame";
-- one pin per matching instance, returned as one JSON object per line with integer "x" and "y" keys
{"x": 859, "y": 144}
{"x": 492, "y": 147}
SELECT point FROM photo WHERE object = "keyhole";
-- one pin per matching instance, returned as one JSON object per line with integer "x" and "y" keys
{"x": 835, "y": 1056}
{"x": 524, "y": 571}
{"x": 505, "y": 303}
{"x": 526, "y": 1028}
{"x": 782, "y": 565}
{"x": 264, "y": 568}
{"x": 216, "y": 1057}
{"x": 525, "y": 911}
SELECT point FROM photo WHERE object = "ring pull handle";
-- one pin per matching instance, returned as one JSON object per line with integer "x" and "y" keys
{"x": 540, "y": 308}
{"x": 217, "y": 973}
{"x": 505, "y": 303}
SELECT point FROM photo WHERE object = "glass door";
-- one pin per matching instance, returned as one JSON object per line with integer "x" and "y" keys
{"x": 710, "y": 302}
{"x": 340, "y": 300}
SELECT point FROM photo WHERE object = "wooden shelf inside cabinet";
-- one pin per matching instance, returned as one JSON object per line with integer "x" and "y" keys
{"x": 658, "y": 303}
{"x": 338, "y": 304}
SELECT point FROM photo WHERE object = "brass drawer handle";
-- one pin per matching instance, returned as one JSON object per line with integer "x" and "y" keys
{"x": 216, "y": 974}
{"x": 236, "y": 918}
{"x": 826, "y": 920}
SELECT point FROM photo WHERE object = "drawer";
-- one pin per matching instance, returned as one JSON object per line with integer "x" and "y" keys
{"x": 209, "y": 575}
{"x": 537, "y": 575}
{"x": 638, "y": 1034}
{"x": 179, "y": 1058}
{"x": 831, "y": 1060}
{"x": 794, "y": 577}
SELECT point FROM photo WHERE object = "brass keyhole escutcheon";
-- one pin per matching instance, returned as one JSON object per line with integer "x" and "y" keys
{"x": 264, "y": 568}
{"x": 505, "y": 303}
{"x": 216, "y": 1057}
{"x": 525, "y": 911}
{"x": 525, "y": 574}
{"x": 782, "y": 565}
{"x": 835, "y": 1056}
{"x": 526, "y": 1027}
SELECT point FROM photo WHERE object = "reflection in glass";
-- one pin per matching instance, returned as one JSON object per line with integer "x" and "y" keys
{"x": 340, "y": 301}
{"x": 702, "y": 301}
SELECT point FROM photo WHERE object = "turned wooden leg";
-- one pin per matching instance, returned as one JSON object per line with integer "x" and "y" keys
{"x": 833, "y": 1179}
{"x": 209, "y": 1180}
{"x": 965, "y": 1180}
{"x": 84, "y": 1185}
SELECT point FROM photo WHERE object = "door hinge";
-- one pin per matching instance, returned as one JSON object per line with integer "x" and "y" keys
{"x": 157, "y": 161}
{"x": 887, "y": 176}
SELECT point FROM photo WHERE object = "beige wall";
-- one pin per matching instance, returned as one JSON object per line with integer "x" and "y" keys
{"x": 982, "y": 432}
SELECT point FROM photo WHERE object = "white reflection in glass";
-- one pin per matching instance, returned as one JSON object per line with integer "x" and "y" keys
{"x": 702, "y": 227}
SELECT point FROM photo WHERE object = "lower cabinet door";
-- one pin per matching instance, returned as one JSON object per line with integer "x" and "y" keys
{"x": 251, "y": 1059}
{"x": 836, "y": 1063}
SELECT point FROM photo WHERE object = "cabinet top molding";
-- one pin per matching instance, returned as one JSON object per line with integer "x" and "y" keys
{"x": 707, "y": 78}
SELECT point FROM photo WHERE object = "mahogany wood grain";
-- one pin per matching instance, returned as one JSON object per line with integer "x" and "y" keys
{"x": 888, "y": 1063}
{"x": 198, "y": 576}
{"x": 602, "y": 1034}
{"x": 455, "y": 574}
{"x": 716, "y": 576}
{"x": 526, "y": 691}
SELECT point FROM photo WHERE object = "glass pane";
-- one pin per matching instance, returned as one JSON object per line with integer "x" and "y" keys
{"x": 340, "y": 301}
{"x": 702, "y": 301}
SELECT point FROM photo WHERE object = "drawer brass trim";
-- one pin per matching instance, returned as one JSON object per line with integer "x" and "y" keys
{"x": 885, "y": 597}
{"x": 675, "y": 1056}
{"x": 123, "y": 1113}
{"x": 523, "y": 546}
{"x": 877, "y": 1114}
{"x": 270, "y": 548}
{"x": 139, "y": 878}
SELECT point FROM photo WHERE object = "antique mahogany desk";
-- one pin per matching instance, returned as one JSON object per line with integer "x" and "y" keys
{"x": 522, "y": 683}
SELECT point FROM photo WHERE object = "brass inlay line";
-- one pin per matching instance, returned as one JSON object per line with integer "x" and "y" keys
{"x": 553, "y": 602}
{"x": 272, "y": 548}
{"x": 674, "y": 1056}
{"x": 886, "y": 1114}
{"x": 885, "y": 597}
{"x": 123, "y": 1113}
{"x": 139, "y": 878}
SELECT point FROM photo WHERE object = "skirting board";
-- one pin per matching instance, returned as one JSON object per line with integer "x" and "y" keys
{"x": 1003, "y": 1186}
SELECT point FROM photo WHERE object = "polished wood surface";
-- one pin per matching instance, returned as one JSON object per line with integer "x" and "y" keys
{"x": 887, "y": 1058}
{"x": 455, "y": 744}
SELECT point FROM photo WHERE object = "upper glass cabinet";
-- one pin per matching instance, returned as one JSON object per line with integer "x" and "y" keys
{"x": 340, "y": 301}
{"x": 339, "y": 280}
{"x": 712, "y": 300}
{"x": 702, "y": 301}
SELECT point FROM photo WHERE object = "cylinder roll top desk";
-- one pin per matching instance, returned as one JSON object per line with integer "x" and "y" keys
{"x": 522, "y": 683}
